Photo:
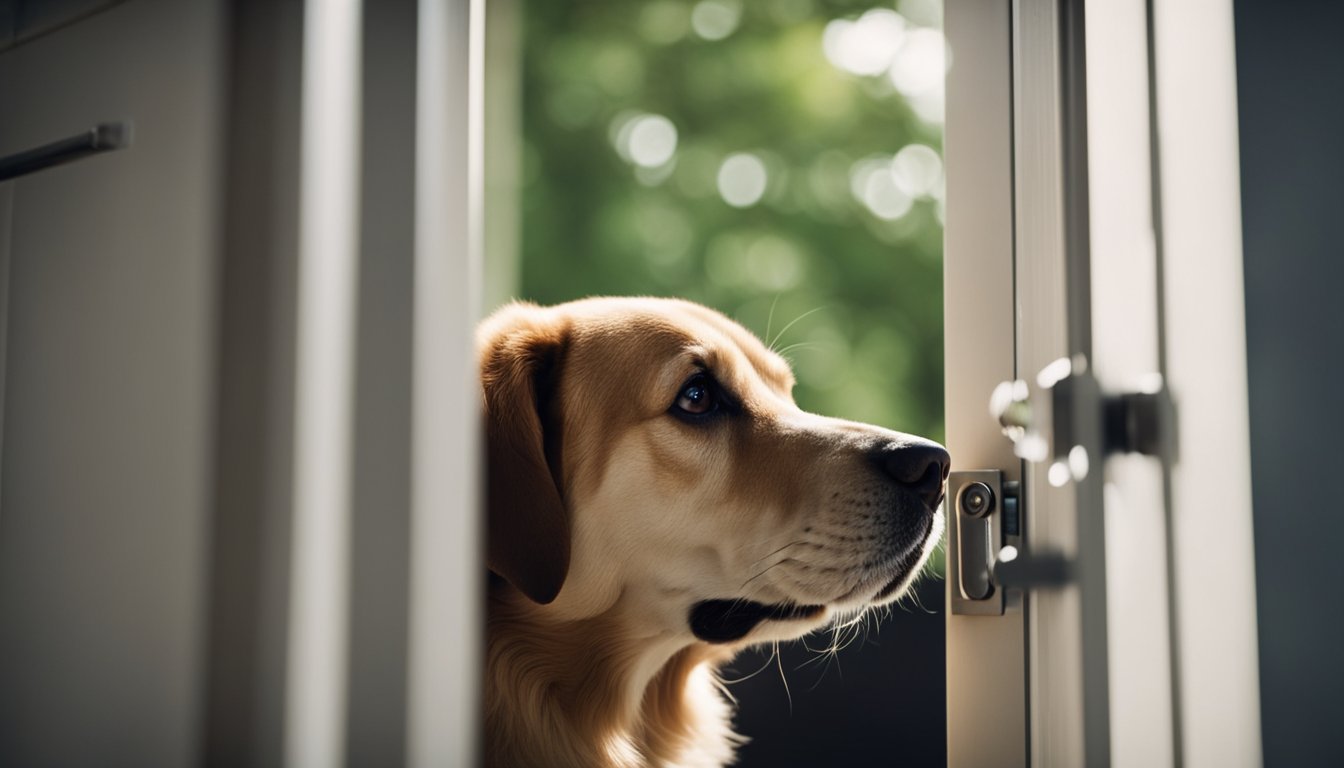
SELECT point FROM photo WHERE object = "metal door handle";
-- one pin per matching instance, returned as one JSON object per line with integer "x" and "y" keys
{"x": 983, "y": 512}
{"x": 103, "y": 137}
{"x": 1042, "y": 570}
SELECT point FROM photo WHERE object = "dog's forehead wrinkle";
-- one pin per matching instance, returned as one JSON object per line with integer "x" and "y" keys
{"x": 690, "y": 325}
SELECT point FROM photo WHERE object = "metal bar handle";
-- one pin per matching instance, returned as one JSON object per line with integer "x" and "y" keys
{"x": 103, "y": 137}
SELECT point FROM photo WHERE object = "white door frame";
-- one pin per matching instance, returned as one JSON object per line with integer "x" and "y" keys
{"x": 447, "y": 585}
{"x": 986, "y": 655}
{"x": 445, "y": 569}
{"x": 1062, "y": 244}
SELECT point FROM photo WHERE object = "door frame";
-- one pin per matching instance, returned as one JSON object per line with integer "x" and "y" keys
{"x": 1033, "y": 685}
{"x": 986, "y": 655}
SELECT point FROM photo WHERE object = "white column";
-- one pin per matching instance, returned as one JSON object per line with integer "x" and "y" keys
{"x": 324, "y": 385}
{"x": 446, "y": 566}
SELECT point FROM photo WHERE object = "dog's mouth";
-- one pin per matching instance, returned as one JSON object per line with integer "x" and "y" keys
{"x": 726, "y": 621}
{"x": 723, "y": 621}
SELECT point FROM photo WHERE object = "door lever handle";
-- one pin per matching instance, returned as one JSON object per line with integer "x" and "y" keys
{"x": 983, "y": 508}
{"x": 103, "y": 137}
{"x": 1037, "y": 570}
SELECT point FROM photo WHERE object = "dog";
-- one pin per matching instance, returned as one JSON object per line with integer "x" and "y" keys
{"x": 656, "y": 502}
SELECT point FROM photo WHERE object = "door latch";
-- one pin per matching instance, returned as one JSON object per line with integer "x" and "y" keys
{"x": 985, "y": 515}
{"x": 985, "y": 556}
{"x": 1049, "y": 426}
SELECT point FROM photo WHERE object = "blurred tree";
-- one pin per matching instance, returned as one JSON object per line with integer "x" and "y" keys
{"x": 775, "y": 159}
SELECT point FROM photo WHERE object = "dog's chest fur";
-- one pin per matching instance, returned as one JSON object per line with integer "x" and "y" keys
{"x": 583, "y": 694}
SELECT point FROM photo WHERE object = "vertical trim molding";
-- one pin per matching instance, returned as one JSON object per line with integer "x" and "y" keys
{"x": 324, "y": 378}
{"x": 1205, "y": 318}
{"x": 446, "y": 609}
{"x": 986, "y": 655}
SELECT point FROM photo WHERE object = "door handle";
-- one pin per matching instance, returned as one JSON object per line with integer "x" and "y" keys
{"x": 983, "y": 514}
{"x": 103, "y": 137}
{"x": 1013, "y": 570}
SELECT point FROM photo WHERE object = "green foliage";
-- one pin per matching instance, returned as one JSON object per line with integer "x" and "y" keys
{"x": 866, "y": 293}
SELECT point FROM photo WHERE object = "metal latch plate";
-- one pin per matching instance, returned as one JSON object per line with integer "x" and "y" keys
{"x": 977, "y": 511}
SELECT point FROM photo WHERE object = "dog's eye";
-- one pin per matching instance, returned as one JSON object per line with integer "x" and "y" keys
{"x": 697, "y": 396}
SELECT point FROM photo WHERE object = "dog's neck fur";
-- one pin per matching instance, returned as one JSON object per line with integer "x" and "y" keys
{"x": 592, "y": 692}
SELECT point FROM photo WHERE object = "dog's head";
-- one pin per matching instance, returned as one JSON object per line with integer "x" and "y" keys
{"x": 649, "y": 451}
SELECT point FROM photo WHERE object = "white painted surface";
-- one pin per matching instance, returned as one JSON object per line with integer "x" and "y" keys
{"x": 324, "y": 385}
{"x": 446, "y": 566}
{"x": 1211, "y": 499}
{"x": 1125, "y": 348}
{"x": 986, "y": 675}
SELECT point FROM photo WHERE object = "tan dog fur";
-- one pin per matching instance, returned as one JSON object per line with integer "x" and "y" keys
{"x": 610, "y": 516}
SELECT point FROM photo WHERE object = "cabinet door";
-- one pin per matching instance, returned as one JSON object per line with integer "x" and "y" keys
{"x": 105, "y": 481}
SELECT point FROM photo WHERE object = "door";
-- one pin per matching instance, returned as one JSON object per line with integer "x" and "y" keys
{"x": 108, "y": 331}
{"x": 1096, "y": 389}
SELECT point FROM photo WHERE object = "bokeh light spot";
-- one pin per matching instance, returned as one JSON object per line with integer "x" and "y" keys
{"x": 867, "y": 45}
{"x": 716, "y": 19}
{"x": 742, "y": 179}
{"x": 917, "y": 170}
{"x": 653, "y": 140}
{"x": 920, "y": 64}
{"x": 873, "y": 184}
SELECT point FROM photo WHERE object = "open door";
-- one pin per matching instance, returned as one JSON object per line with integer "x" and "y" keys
{"x": 1096, "y": 389}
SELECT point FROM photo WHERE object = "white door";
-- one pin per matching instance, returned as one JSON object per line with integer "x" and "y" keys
{"x": 1096, "y": 380}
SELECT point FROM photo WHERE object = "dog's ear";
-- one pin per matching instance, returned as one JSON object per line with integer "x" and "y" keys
{"x": 521, "y": 353}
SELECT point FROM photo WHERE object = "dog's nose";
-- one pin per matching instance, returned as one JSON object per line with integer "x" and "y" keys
{"x": 922, "y": 467}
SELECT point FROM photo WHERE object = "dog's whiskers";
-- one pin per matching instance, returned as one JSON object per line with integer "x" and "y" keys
{"x": 781, "y": 549}
{"x": 762, "y": 668}
{"x": 785, "y": 329}
{"x": 766, "y": 570}
{"x": 844, "y": 633}
{"x": 770, "y": 319}
{"x": 779, "y": 662}
{"x": 782, "y": 351}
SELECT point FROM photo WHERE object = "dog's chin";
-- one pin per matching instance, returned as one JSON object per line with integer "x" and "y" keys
{"x": 730, "y": 620}
{"x": 910, "y": 564}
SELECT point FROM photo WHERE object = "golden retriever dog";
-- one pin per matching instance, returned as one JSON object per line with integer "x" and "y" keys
{"x": 657, "y": 503}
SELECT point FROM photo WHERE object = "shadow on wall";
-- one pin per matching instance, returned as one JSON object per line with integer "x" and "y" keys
{"x": 1289, "y": 69}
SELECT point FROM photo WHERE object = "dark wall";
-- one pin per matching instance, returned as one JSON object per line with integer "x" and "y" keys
{"x": 882, "y": 700}
{"x": 1290, "y": 71}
